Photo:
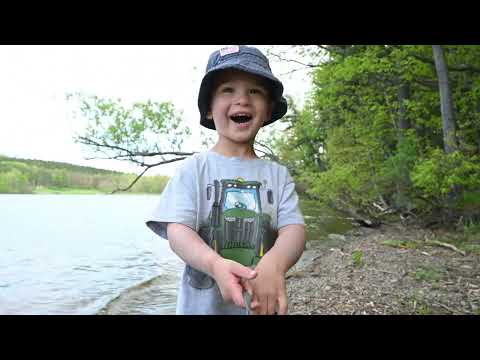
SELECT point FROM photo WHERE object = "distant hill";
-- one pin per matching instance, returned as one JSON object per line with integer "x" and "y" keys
{"x": 39, "y": 176}
{"x": 59, "y": 165}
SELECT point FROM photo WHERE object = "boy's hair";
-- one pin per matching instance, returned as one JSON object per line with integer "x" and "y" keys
{"x": 243, "y": 58}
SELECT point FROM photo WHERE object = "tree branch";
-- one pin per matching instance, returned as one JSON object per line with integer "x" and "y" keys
{"x": 147, "y": 167}
{"x": 133, "y": 182}
{"x": 460, "y": 68}
{"x": 295, "y": 61}
{"x": 129, "y": 153}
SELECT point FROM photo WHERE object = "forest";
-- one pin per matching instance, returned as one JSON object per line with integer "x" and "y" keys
{"x": 37, "y": 176}
{"x": 390, "y": 131}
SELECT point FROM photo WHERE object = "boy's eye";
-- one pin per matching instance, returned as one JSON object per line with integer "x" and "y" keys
{"x": 256, "y": 91}
{"x": 226, "y": 89}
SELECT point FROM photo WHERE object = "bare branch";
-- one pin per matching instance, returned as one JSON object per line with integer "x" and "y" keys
{"x": 128, "y": 153}
{"x": 147, "y": 167}
{"x": 295, "y": 61}
{"x": 269, "y": 153}
{"x": 292, "y": 71}
{"x": 133, "y": 182}
{"x": 88, "y": 141}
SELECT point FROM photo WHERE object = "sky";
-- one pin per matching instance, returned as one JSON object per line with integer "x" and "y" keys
{"x": 37, "y": 122}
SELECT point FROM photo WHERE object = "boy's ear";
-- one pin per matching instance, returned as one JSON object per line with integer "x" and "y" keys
{"x": 209, "y": 115}
{"x": 270, "y": 111}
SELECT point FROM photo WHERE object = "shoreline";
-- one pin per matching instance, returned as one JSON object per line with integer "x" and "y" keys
{"x": 80, "y": 192}
{"x": 391, "y": 270}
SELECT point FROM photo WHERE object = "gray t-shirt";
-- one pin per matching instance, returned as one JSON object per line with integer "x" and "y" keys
{"x": 237, "y": 206}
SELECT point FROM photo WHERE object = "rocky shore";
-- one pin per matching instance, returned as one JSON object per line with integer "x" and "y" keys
{"x": 390, "y": 270}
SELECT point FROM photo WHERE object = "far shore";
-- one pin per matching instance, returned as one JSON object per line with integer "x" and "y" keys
{"x": 74, "y": 191}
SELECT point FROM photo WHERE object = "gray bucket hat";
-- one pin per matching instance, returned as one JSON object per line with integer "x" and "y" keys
{"x": 244, "y": 58}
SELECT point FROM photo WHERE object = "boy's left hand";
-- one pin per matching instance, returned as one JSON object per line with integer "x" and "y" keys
{"x": 268, "y": 289}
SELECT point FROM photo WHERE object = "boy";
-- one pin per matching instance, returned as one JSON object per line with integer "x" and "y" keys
{"x": 232, "y": 217}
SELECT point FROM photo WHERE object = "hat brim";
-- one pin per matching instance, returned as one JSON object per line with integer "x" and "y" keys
{"x": 280, "y": 106}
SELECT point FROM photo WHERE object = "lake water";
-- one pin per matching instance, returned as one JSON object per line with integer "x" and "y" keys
{"x": 81, "y": 254}
{"x": 93, "y": 254}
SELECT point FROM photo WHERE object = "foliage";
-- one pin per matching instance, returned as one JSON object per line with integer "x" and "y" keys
{"x": 428, "y": 273}
{"x": 357, "y": 256}
{"x": 147, "y": 134}
{"x": 369, "y": 139}
{"x": 29, "y": 176}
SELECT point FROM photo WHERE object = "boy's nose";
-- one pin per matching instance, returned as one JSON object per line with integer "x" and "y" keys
{"x": 242, "y": 99}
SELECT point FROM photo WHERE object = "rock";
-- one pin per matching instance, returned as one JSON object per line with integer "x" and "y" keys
{"x": 336, "y": 237}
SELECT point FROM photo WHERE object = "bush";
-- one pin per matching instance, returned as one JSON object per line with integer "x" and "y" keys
{"x": 444, "y": 179}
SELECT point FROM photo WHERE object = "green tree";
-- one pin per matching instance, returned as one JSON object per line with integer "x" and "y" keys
{"x": 147, "y": 134}
{"x": 365, "y": 142}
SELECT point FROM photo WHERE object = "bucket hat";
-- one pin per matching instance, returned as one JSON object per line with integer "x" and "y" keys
{"x": 243, "y": 58}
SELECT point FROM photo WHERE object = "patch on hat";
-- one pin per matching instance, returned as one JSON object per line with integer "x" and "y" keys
{"x": 229, "y": 50}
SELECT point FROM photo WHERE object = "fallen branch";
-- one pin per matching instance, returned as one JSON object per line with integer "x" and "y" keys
{"x": 453, "y": 311}
{"x": 448, "y": 246}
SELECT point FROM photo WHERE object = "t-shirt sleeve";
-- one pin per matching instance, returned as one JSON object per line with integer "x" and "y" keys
{"x": 289, "y": 209}
{"x": 178, "y": 202}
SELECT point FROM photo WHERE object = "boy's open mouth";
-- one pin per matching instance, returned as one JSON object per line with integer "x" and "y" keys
{"x": 241, "y": 118}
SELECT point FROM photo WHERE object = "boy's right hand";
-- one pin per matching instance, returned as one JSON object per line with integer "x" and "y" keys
{"x": 229, "y": 276}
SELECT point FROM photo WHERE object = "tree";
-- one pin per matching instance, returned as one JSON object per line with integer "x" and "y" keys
{"x": 147, "y": 134}
{"x": 374, "y": 120}
{"x": 446, "y": 101}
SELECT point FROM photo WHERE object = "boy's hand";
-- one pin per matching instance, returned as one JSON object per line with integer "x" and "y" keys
{"x": 268, "y": 289}
{"x": 229, "y": 276}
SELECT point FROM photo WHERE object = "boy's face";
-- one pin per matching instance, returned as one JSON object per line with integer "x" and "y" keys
{"x": 240, "y": 105}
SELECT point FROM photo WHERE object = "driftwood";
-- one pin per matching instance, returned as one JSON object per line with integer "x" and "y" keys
{"x": 445, "y": 245}
{"x": 356, "y": 217}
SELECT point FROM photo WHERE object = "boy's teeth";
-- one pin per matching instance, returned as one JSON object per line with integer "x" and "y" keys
{"x": 241, "y": 118}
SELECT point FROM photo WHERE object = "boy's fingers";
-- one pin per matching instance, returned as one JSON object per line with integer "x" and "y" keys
{"x": 243, "y": 271}
{"x": 282, "y": 305}
{"x": 247, "y": 286}
{"x": 237, "y": 297}
{"x": 271, "y": 305}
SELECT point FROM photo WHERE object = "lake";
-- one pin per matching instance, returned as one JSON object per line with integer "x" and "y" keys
{"x": 93, "y": 254}
{"x": 74, "y": 254}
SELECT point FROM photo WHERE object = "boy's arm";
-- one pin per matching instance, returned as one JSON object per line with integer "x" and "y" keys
{"x": 269, "y": 287}
{"x": 190, "y": 247}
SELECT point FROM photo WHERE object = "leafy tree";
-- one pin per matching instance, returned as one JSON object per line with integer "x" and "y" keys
{"x": 379, "y": 123}
{"x": 147, "y": 134}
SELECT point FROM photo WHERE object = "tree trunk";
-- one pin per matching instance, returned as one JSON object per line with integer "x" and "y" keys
{"x": 403, "y": 122}
{"x": 446, "y": 101}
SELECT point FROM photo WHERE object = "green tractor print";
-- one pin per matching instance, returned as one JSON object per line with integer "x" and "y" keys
{"x": 237, "y": 228}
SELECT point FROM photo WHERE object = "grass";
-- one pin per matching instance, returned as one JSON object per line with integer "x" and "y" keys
{"x": 471, "y": 248}
{"x": 402, "y": 244}
{"x": 419, "y": 305}
{"x": 357, "y": 256}
{"x": 468, "y": 241}
{"x": 428, "y": 273}
{"x": 66, "y": 191}
{"x": 76, "y": 191}
{"x": 424, "y": 309}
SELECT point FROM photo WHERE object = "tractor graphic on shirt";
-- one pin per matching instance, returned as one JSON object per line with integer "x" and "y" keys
{"x": 237, "y": 228}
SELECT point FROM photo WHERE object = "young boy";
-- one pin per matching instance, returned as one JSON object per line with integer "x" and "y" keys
{"x": 232, "y": 217}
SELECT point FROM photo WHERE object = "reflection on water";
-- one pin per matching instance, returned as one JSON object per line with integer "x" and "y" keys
{"x": 322, "y": 221}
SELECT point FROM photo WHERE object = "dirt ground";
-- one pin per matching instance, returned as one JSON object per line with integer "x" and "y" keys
{"x": 390, "y": 270}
